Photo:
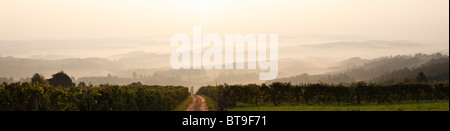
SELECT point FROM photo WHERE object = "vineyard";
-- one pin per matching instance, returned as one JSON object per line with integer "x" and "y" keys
{"x": 326, "y": 94}
{"x": 34, "y": 97}
{"x": 43, "y": 97}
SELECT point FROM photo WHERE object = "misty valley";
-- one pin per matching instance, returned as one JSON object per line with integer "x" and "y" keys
{"x": 390, "y": 69}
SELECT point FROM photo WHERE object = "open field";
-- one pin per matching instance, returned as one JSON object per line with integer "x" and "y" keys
{"x": 407, "y": 106}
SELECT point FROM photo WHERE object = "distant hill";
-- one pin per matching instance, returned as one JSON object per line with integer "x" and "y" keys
{"x": 363, "y": 49}
{"x": 124, "y": 66}
{"x": 379, "y": 66}
{"x": 25, "y": 67}
{"x": 434, "y": 70}
{"x": 381, "y": 69}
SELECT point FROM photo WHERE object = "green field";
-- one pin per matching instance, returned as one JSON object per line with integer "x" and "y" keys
{"x": 408, "y": 106}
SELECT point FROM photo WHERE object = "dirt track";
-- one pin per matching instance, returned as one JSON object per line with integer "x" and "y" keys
{"x": 198, "y": 104}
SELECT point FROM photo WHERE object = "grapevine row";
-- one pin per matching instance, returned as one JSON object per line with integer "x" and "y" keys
{"x": 317, "y": 94}
{"x": 30, "y": 97}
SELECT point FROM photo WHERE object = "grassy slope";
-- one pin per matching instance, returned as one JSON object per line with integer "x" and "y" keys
{"x": 183, "y": 105}
{"x": 424, "y": 106}
{"x": 210, "y": 103}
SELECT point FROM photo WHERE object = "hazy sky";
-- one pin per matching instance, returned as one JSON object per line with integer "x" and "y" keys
{"x": 153, "y": 22}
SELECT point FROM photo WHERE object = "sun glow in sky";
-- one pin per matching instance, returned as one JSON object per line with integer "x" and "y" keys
{"x": 296, "y": 21}
{"x": 200, "y": 6}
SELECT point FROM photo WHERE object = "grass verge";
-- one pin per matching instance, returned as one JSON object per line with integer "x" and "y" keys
{"x": 183, "y": 105}
{"x": 210, "y": 103}
{"x": 425, "y": 106}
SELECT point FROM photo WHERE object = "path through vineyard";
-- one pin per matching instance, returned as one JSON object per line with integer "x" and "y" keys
{"x": 198, "y": 104}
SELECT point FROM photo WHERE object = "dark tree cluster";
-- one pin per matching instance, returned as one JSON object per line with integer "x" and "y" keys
{"x": 61, "y": 79}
